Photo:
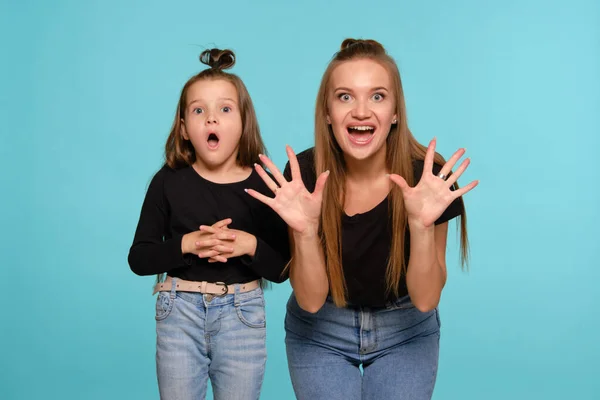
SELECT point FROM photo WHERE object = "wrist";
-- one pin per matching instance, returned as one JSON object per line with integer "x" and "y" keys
{"x": 184, "y": 245}
{"x": 252, "y": 244}
{"x": 311, "y": 232}
{"x": 417, "y": 227}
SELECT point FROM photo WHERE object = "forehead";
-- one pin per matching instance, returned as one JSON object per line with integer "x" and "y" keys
{"x": 360, "y": 74}
{"x": 211, "y": 89}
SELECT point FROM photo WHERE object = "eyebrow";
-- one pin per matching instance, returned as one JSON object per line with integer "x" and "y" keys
{"x": 373, "y": 89}
{"x": 221, "y": 98}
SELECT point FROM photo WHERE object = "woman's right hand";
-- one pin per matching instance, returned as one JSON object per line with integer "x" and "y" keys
{"x": 299, "y": 208}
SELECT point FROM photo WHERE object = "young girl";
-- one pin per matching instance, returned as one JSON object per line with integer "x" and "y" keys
{"x": 369, "y": 209}
{"x": 214, "y": 242}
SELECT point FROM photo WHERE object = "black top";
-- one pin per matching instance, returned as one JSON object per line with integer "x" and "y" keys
{"x": 366, "y": 241}
{"x": 179, "y": 201}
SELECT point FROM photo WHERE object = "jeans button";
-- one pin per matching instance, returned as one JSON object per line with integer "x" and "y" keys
{"x": 209, "y": 297}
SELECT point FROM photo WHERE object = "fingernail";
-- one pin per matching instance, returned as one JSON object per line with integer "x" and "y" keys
{"x": 246, "y": 190}
{"x": 388, "y": 175}
{"x": 327, "y": 172}
{"x": 260, "y": 155}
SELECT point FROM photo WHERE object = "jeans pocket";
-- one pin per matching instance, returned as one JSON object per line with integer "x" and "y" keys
{"x": 164, "y": 305}
{"x": 252, "y": 312}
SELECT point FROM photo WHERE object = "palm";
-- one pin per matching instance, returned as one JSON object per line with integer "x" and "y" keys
{"x": 428, "y": 200}
{"x": 299, "y": 208}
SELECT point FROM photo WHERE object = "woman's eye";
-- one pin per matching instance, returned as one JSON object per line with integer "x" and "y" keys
{"x": 345, "y": 97}
{"x": 197, "y": 111}
{"x": 226, "y": 109}
{"x": 377, "y": 97}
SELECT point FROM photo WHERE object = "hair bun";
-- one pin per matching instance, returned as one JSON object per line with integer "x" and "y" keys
{"x": 364, "y": 42}
{"x": 217, "y": 58}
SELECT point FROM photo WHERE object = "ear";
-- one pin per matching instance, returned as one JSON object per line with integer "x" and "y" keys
{"x": 395, "y": 120}
{"x": 328, "y": 120}
{"x": 182, "y": 130}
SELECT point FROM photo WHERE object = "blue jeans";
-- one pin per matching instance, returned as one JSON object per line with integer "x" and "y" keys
{"x": 397, "y": 347}
{"x": 201, "y": 336}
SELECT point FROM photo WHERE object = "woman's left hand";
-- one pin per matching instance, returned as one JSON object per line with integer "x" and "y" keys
{"x": 428, "y": 200}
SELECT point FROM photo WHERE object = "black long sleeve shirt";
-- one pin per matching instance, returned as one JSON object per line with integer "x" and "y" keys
{"x": 367, "y": 240}
{"x": 179, "y": 201}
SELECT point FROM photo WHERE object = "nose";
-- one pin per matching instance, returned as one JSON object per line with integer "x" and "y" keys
{"x": 361, "y": 110}
{"x": 211, "y": 119}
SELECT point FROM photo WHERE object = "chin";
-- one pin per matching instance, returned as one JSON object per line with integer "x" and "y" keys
{"x": 363, "y": 152}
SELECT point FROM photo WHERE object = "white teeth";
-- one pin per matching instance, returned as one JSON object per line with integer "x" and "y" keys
{"x": 361, "y": 128}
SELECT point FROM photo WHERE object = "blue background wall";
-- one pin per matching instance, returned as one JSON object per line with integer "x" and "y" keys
{"x": 88, "y": 91}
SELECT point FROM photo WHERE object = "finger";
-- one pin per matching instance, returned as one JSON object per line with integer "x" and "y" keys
{"x": 207, "y": 243}
{"x": 320, "y": 185}
{"x": 447, "y": 168}
{"x": 220, "y": 259}
{"x": 429, "y": 156}
{"x": 454, "y": 177}
{"x": 465, "y": 189}
{"x": 400, "y": 181}
{"x": 226, "y": 236}
{"x": 209, "y": 229}
{"x": 265, "y": 177}
{"x": 223, "y": 249}
{"x": 208, "y": 254}
{"x": 294, "y": 166}
{"x": 274, "y": 170}
{"x": 261, "y": 197}
{"x": 223, "y": 223}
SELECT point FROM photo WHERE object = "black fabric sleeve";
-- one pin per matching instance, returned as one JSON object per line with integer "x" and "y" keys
{"x": 272, "y": 253}
{"x": 151, "y": 252}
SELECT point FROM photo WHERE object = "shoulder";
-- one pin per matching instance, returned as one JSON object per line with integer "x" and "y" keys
{"x": 306, "y": 157}
{"x": 306, "y": 162}
{"x": 166, "y": 176}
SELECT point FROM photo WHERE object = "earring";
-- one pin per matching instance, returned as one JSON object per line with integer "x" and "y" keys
{"x": 394, "y": 121}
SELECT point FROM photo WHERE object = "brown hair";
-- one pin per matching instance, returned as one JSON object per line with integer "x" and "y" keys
{"x": 179, "y": 152}
{"x": 402, "y": 150}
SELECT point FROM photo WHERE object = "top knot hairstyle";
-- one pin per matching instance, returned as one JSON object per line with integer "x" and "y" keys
{"x": 402, "y": 149}
{"x": 218, "y": 59}
{"x": 362, "y": 44}
{"x": 179, "y": 152}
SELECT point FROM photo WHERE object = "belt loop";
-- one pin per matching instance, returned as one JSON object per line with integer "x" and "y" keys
{"x": 236, "y": 295}
{"x": 173, "y": 288}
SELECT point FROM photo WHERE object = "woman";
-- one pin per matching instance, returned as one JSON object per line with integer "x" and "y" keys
{"x": 369, "y": 246}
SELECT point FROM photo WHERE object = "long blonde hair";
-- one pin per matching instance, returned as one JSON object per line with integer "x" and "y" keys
{"x": 402, "y": 150}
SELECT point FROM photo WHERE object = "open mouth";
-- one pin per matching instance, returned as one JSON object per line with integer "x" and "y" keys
{"x": 213, "y": 141}
{"x": 361, "y": 134}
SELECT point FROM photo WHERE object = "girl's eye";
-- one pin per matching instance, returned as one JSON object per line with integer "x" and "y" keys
{"x": 344, "y": 97}
{"x": 226, "y": 109}
{"x": 377, "y": 97}
{"x": 197, "y": 111}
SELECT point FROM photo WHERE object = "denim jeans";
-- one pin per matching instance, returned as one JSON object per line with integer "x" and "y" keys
{"x": 203, "y": 336}
{"x": 397, "y": 347}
